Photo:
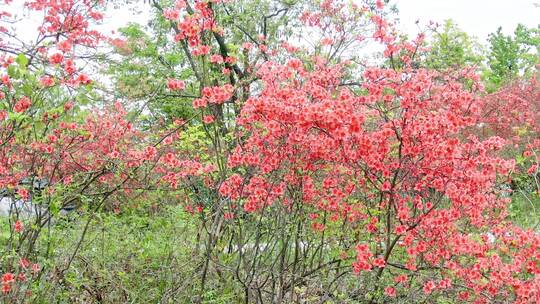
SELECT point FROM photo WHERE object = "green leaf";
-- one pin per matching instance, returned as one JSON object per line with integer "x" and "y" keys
{"x": 54, "y": 207}
{"x": 17, "y": 116}
{"x": 12, "y": 71}
{"x": 22, "y": 60}
{"x": 27, "y": 89}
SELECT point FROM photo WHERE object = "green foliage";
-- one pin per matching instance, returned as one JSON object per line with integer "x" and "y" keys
{"x": 147, "y": 58}
{"x": 453, "y": 48}
{"x": 273, "y": 19}
{"x": 524, "y": 210}
{"x": 141, "y": 256}
{"x": 21, "y": 60}
{"x": 511, "y": 55}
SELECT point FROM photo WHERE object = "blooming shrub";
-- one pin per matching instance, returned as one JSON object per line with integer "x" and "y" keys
{"x": 300, "y": 164}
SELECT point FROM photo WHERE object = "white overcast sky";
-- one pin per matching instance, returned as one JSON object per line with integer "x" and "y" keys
{"x": 476, "y": 17}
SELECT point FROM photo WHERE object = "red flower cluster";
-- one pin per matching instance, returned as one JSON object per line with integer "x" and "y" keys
{"x": 22, "y": 105}
{"x": 176, "y": 85}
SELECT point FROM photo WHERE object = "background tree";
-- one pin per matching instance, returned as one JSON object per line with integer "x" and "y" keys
{"x": 511, "y": 55}
{"x": 452, "y": 48}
